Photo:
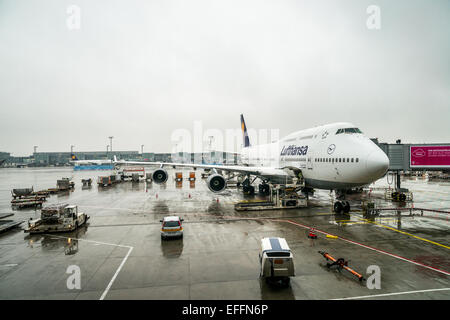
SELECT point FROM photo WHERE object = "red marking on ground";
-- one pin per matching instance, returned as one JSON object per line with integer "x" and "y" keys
{"x": 368, "y": 247}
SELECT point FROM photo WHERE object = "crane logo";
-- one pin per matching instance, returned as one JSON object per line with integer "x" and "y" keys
{"x": 419, "y": 153}
{"x": 331, "y": 148}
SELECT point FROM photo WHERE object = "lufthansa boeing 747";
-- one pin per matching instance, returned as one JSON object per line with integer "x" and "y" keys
{"x": 335, "y": 156}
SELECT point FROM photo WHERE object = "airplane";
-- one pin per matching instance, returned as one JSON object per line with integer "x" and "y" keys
{"x": 334, "y": 157}
{"x": 74, "y": 160}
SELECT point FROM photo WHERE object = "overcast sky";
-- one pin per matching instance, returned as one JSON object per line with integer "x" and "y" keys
{"x": 139, "y": 70}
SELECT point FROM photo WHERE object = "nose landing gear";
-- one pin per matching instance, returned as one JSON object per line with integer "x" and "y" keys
{"x": 341, "y": 206}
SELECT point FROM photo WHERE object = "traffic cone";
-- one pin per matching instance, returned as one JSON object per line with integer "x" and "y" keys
{"x": 312, "y": 234}
{"x": 189, "y": 195}
{"x": 217, "y": 200}
{"x": 156, "y": 196}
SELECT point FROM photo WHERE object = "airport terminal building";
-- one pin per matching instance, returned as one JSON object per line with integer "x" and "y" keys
{"x": 43, "y": 159}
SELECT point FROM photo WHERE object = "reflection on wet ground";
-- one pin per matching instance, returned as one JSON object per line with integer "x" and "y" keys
{"x": 172, "y": 248}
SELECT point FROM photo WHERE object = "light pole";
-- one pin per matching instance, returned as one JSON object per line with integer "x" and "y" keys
{"x": 142, "y": 149}
{"x": 110, "y": 142}
{"x": 35, "y": 148}
{"x": 71, "y": 150}
{"x": 110, "y": 145}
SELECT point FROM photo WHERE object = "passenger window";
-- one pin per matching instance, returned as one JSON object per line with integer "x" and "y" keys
{"x": 352, "y": 159}
{"x": 348, "y": 159}
{"x": 357, "y": 159}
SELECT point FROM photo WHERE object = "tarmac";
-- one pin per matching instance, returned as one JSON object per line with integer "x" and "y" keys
{"x": 120, "y": 254}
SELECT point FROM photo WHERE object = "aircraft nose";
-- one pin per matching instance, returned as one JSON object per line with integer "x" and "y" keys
{"x": 377, "y": 164}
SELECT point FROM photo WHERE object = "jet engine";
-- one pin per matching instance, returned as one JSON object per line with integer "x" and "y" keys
{"x": 160, "y": 176}
{"x": 216, "y": 183}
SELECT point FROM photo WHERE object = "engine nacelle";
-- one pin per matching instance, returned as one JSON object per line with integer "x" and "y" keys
{"x": 216, "y": 183}
{"x": 160, "y": 176}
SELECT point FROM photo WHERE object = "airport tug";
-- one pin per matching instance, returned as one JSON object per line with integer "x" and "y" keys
{"x": 57, "y": 218}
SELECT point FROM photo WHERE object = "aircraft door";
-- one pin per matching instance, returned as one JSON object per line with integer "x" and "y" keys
{"x": 309, "y": 161}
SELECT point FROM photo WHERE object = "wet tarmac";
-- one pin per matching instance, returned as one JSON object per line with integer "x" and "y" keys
{"x": 120, "y": 254}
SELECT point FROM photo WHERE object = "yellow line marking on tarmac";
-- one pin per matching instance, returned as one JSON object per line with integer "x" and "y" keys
{"x": 408, "y": 234}
{"x": 354, "y": 222}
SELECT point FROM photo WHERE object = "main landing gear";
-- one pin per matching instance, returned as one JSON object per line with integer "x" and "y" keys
{"x": 264, "y": 189}
{"x": 247, "y": 188}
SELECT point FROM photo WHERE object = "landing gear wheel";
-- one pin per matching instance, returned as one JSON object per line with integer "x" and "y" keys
{"x": 346, "y": 206}
{"x": 264, "y": 189}
{"x": 338, "y": 207}
{"x": 248, "y": 190}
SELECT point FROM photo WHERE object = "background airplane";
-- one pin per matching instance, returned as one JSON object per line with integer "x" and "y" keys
{"x": 75, "y": 161}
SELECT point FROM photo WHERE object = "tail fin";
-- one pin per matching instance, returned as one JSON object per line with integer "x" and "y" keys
{"x": 244, "y": 132}
{"x": 73, "y": 157}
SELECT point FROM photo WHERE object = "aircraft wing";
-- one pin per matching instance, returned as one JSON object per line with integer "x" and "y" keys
{"x": 265, "y": 172}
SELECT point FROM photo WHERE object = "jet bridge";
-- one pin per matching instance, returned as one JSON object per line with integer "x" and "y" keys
{"x": 416, "y": 157}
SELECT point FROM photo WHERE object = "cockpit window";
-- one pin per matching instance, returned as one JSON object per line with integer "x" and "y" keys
{"x": 348, "y": 130}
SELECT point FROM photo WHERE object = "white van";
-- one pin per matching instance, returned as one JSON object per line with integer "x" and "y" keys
{"x": 276, "y": 260}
